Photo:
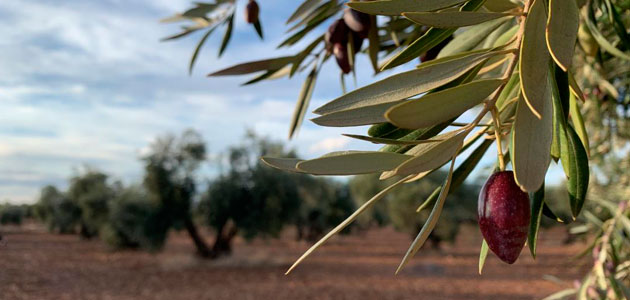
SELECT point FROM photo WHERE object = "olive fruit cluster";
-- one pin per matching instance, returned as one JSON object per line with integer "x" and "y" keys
{"x": 353, "y": 27}
{"x": 504, "y": 215}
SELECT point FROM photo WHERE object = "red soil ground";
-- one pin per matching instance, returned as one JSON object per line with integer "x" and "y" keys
{"x": 38, "y": 265}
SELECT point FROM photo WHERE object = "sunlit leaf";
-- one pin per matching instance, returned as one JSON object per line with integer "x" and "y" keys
{"x": 499, "y": 5}
{"x": 427, "y": 157}
{"x": 407, "y": 84}
{"x": 578, "y": 176}
{"x": 452, "y": 19}
{"x": 303, "y": 9}
{"x": 375, "y": 44}
{"x": 363, "y": 115}
{"x": 352, "y": 163}
{"x": 428, "y": 226}
{"x": 483, "y": 253}
{"x": 437, "y": 107}
{"x": 531, "y": 140}
{"x": 470, "y": 38}
{"x": 602, "y": 41}
{"x": 430, "y": 39}
{"x": 562, "y": 28}
{"x": 228, "y": 34}
{"x": 534, "y": 60}
{"x": 346, "y": 222}
{"x": 285, "y": 164}
{"x": 537, "y": 200}
{"x": 255, "y": 66}
{"x": 397, "y": 7}
{"x": 303, "y": 100}
{"x": 376, "y": 140}
{"x": 578, "y": 123}
{"x": 198, "y": 48}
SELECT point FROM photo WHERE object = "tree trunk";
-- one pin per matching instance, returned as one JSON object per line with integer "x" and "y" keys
{"x": 223, "y": 242}
{"x": 202, "y": 248}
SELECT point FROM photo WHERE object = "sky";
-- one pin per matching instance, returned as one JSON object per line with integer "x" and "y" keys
{"x": 88, "y": 83}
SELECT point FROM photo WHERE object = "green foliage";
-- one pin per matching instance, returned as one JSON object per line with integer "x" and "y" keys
{"x": 57, "y": 211}
{"x": 92, "y": 194}
{"x": 12, "y": 214}
{"x": 131, "y": 221}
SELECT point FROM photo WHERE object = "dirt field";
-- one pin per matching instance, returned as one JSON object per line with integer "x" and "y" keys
{"x": 38, "y": 265}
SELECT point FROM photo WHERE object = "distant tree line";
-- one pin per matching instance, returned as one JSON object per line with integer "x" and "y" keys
{"x": 247, "y": 199}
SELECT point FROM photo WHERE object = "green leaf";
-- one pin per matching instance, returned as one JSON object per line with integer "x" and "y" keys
{"x": 364, "y": 115}
{"x": 377, "y": 140}
{"x": 618, "y": 24}
{"x": 228, "y": 34}
{"x": 438, "y": 107}
{"x": 430, "y": 39}
{"x": 562, "y": 28}
{"x": 198, "y": 48}
{"x": 483, "y": 253}
{"x": 430, "y": 200}
{"x": 303, "y": 9}
{"x": 415, "y": 135}
{"x": 407, "y": 84}
{"x": 453, "y": 19}
{"x": 428, "y": 226}
{"x": 387, "y": 130}
{"x": 470, "y": 38}
{"x": 578, "y": 123}
{"x": 577, "y": 160}
{"x": 258, "y": 28}
{"x": 270, "y": 75}
{"x": 302, "y": 104}
{"x": 346, "y": 222}
{"x": 397, "y": 7}
{"x": 602, "y": 41}
{"x": 285, "y": 164}
{"x": 375, "y": 44}
{"x": 352, "y": 163}
{"x": 255, "y": 66}
{"x": 427, "y": 157}
{"x": 537, "y": 200}
{"x": 499, "y": 5}
{"x": 534, "y": 60}
{"x": 575, "y": 88}
{"x": 531, "y": 140}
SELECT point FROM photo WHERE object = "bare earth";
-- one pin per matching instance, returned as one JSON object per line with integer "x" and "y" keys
{"x": 38, "y": 265}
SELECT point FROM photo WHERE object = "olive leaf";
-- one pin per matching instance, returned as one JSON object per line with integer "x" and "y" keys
{"x": 531, "y": 140}
{"x": 437, "y": 107}
{"x": 534, "y": 60}
{"x": 578, "y": 123}
{"x": 302, "y": 104}
{"x": 304, "y": 8}
{"x": 285, "y": 164}
{"x": 228, "y": 34}
{"x": 434, "y": 216}
{"x": 346, "y": 222}
{"x": 407, "y": 84}
{"x": 483, "y": 253}
{"x": 376, "y": 140}
{"x": 397, "y": 7}
{"x": 255, "y": 66}
{"x": 202, "y": 41}
{"x": 537, "y": 203}
{"x": 578, "y": 175}
{"x": 430, "y": 39}
{"x": 451, "y": 19}
{"x": 364, "y": 115}
{"x": 562, "y": 27}
{"x": 601, "y": 39}
{"x": 352, "y": 163}
{"x": 470, "y": 38}
{"x": 428, "y": 157}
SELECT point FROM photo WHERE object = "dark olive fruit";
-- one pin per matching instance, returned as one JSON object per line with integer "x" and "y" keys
{"x": 337, "y": 33}
{"x": 341, "y": 54}
{"x": 432, "y": 53}
{"x": 251, "y": 12}
{"x": 357, "y": 42}
{"x": 503, "y": 210}
{"x": 357, "y": 21}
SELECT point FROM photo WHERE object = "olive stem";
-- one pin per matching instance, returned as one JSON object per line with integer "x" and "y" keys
{"x": 497, "y": 134}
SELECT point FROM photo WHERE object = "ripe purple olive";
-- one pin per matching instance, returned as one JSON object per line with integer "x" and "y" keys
{"x": 357, "y": 21}
{"x": 341, "y": 54}
{"x": 503, "y": 210}
{"x": 251, "y": 12}
{"x": 337, "y": 33}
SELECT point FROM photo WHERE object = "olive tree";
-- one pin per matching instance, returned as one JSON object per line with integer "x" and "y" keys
{"x": 513, "y": 65}
{"x": 57, "y": 211}
{"x": 91, "y": 192}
